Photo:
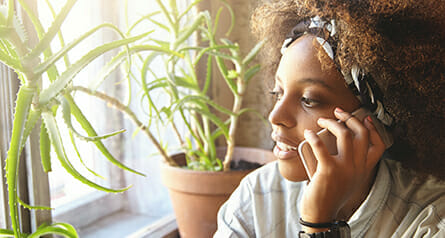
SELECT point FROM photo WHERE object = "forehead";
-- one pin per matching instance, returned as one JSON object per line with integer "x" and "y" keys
{"x": 300, "y": 61}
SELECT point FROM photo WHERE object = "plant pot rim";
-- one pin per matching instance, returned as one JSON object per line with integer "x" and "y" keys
{"x": 219, "y": 182}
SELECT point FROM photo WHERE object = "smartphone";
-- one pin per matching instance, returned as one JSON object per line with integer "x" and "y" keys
{"x": 307, "y": 156}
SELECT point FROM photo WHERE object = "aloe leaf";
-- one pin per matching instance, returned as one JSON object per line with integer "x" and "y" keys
{"x": 186, "y": 82}
{"x": 216, "y": 21}
{"x": 158, "y": 83}
{"x": 61, "y": 40}
{"x": 56, "y": 141}
{"x": 232, "y": 17}
{"x": 173, "y": 8}
{"x": 234, "y": 50}
{"x": 10, "y": 62}
{"x": 160, "y": 24}
{"x": 27, "y": 206}
{"x": 146, "y": 17}
{"x": 253, "y": 52}
{"x": 147, "y": 90}
{"x": 6, "y": 233}
{"x": 33, "y": 117}
{"x": 166, "y": 13}
{"x": 86, "y": 125}
{"x": 66, "y": 112}
{"x": 161, "y": 43}
{"x": 251, "y": 72}
{"x": 120, "y": 57}
{"x": 34, "y": 20}
{"x": 73, "y": 142}
{"x": 50, "y": 61}
{"x": 220, "y": 166}
{"x": 52, "y": 71}
{"x": 184, "y": 35}
{"x": 45, "y": 42}
{"x": 23, "y": 105}
{"x": 45, "y": 149}
{"x": 208, "y": 75}
{"x": 222, "y": 55}
{"x": 223, "y": 69}
{"x": 190, "y": 6}
{"x": 58, "y": 85}
{"x": 213, "y": 118}
{"x": 63, "y": 229}
{"x": 205, "y": 50}
{"x": 200, "y": 100}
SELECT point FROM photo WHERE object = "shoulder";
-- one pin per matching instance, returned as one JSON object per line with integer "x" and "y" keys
{"x": 421, "y": 199}
{"x": 409, "y": 184}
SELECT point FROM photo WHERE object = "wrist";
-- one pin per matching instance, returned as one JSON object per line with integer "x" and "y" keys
{"x": 338, "y": 229}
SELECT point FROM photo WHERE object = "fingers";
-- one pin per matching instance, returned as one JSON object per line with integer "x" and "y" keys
{"x": 343, "y": 134}
{"x": 353, "y": 123}
{"x": 317, "y": 145}
{"x": 376, "y": 147}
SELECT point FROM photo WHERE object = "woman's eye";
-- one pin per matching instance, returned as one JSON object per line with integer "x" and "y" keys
{"x": 276, "y": 95}
{"x": 307, "y": 102}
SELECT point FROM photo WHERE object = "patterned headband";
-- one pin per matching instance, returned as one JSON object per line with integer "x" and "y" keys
{"x": 361, "y": 84}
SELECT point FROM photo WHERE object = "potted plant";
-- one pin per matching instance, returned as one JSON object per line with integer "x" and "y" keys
{"x": 37, "y": 104}
{"x": 198, "y": 177}
{"x": 189, "y": 101}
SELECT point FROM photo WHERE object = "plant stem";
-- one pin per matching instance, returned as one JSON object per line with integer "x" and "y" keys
{"x": 125, "y": 109}
{"x": 238, "y": 101}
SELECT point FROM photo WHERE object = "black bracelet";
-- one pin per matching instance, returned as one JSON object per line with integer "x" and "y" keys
{"x": 316, "y": 225}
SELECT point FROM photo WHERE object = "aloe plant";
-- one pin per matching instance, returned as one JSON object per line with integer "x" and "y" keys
{"x": 34, "y": 102}
{"x": 188, "y": 99}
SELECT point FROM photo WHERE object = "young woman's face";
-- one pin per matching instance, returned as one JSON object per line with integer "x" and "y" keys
{"x": 304, "y": 92}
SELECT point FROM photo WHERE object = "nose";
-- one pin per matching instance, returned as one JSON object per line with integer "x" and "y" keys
{"x": 283, "y": 114}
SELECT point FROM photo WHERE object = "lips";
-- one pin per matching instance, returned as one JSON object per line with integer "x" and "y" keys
{"x": 284, "y": 149}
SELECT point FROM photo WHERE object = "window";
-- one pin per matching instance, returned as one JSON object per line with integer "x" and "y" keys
{"x": 7, "y": 92}
{"x": 95, "y": 213}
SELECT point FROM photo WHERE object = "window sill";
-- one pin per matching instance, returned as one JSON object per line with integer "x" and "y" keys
{"x": 130, "y": 225}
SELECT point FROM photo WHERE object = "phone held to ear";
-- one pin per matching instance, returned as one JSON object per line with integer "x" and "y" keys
{"x": 307, "y": 156}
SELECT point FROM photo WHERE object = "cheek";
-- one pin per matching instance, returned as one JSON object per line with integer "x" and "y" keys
{"x": 308, "y": 121}
{"x": 292, "y": 169}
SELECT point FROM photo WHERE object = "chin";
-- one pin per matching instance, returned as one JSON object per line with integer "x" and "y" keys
{"x": 292, "y": 169}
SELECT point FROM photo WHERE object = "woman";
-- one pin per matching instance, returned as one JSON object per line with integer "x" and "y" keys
{"x": 385, "y": 56}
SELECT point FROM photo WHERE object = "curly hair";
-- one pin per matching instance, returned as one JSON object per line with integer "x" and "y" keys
{"x": 400, "y": 43}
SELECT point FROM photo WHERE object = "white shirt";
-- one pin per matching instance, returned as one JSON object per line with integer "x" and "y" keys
{"x": 398, "y": 205}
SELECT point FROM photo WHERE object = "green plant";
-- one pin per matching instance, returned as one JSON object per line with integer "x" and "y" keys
{"x": 34, "y": 102}
{"x": 188, "y": 97}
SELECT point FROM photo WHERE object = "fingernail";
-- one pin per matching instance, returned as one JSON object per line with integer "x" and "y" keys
{"x": 321, "y": 120}
{"x": 337, "y": 109}
{"x": 369, "y": 118}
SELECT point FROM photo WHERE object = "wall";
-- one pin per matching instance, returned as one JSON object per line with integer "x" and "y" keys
{"x": 252, "y": 132}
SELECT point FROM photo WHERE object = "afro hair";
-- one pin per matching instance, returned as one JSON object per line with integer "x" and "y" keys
{"x": 400, "y": 43}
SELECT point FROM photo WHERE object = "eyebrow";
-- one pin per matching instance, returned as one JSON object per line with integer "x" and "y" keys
{"x": 310, "y": 81}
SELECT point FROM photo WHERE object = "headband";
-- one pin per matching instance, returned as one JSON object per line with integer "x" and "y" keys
{"x": 360, "y": 83}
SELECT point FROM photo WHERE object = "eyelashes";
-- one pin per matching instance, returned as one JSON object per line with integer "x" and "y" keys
{"x": 305, "y": 101}
{"x": 276, "y": 94}
{"x": 308, "y": 102}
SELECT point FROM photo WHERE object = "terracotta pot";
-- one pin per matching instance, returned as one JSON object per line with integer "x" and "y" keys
{"x": 197, "y": 195}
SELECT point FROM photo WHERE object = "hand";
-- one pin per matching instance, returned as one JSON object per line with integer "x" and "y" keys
{"x": 343, "y": 178}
